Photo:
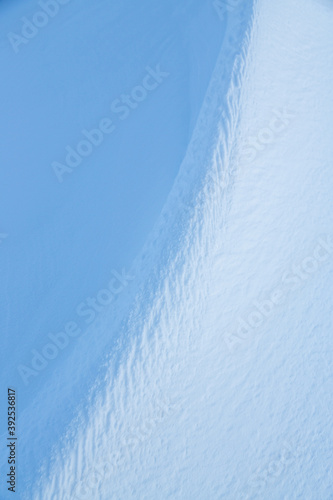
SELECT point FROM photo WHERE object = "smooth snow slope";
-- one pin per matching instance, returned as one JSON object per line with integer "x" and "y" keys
{"x": 64, "y": 238}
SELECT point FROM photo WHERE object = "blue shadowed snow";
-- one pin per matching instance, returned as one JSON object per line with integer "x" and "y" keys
{"x": 65, "y": 238}
{"x": 166, "y": 298}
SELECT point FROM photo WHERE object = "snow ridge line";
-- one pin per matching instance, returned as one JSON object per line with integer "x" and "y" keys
{"x": 220, "y": 177}
{"x": 126, "y": 394}
{"x": 214, "y": 200}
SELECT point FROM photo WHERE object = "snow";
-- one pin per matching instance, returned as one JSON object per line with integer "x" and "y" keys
{"x": 199, "y": 236}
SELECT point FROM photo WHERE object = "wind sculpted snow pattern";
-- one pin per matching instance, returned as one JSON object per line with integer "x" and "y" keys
{"x": 72, "y": 242}
{"x": 219, "y": 385}
{"x": 151, "y": 400}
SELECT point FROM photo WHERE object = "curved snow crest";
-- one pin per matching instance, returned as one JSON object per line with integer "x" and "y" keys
{"x": 142, "y": 389}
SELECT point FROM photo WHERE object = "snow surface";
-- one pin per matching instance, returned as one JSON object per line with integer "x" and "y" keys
{"x": 209, "y": 376}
